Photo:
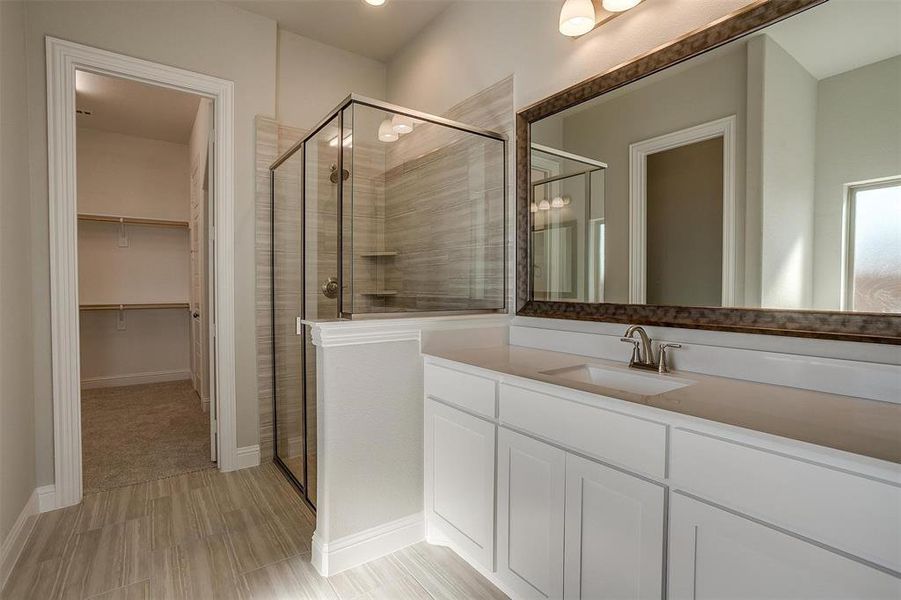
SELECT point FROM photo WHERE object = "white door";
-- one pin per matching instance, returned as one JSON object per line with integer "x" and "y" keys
{"x": 530, "y": 488}
{"x": 613, "y": 533}
{"x": 718, "y": 555}
{"x": 197, "y": 278}
{"x": 459, "y": 479}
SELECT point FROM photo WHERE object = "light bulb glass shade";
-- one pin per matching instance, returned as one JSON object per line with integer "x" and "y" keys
{"x": 386, "y": 131}
{"x": 567, "y": 200}
{"x": 576, "y": 17}
{"x": 402, "y": 124}
{"x": 534, "y": 207}
{"x": 619, "y": 5}
{"x": 374, "y": 2}
{"x": 557, "y": 202}
{"x": 544, "y": 205}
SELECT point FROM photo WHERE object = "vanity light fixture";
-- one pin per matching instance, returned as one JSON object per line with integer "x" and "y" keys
{"x": 557, "y": 202}
{"x": 374, "y": 2}
{"x": 544, "y": 205}
{"x": 402, "y": 124}
{"x": 619, "y": 5}
{"x": 576, "y": 17}
{"x": 567, "y": 200}
{"x": 533, "y": 208}
{"x": 386, "y": 131}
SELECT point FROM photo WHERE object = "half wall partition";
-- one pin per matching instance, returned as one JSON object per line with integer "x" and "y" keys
{"x": 379, "y": 211}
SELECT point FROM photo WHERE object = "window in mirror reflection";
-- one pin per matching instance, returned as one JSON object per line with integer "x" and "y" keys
{"x": 567, "y": 225}
{"x": 873, "y": 248}
{"x": 726, "y": 176}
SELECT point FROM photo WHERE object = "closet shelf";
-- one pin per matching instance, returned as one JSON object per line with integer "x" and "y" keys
{"x": 132, "y": 220}
{"x": 144, "y": 306}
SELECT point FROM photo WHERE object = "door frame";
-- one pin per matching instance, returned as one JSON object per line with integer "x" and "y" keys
{"x": 638, "y": 202}
{"x": 63, "y": 58}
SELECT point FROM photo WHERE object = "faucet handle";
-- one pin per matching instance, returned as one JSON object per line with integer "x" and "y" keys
{"x": 635, "y": 349}
{"x": 661, "y": 360}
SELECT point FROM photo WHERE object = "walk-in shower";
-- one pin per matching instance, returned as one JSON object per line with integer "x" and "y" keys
{"x": 379, "y": 211}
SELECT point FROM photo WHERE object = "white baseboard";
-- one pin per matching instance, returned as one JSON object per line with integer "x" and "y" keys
{"x": 46, "y": 498}
{"x": 247, "y": 456}
{"x": 90, "y": 383}
{"x": 14, "y": 542}
{"x": 351, "y": 551}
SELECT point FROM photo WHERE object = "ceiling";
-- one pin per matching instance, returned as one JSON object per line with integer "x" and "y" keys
{"x": 132, "y": 108}
{"x": 838, "y": 36}
{"x": 374, "y": 31}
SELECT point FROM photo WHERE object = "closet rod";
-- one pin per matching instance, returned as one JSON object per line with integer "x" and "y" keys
{"x": 132, "y": 220}
{"x": 145, "y": 306}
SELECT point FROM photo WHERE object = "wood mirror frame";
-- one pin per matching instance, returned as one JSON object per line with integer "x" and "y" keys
{"x": 860, "y": 327}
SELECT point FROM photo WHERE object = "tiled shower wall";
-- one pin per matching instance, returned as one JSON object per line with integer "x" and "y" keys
{"x": 449, "y": 246}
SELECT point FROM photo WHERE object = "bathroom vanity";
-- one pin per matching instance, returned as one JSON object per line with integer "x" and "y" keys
{"x": 558, "y": 475}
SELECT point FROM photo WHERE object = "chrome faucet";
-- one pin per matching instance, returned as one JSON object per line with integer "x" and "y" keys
{"x": 643, "y": 351}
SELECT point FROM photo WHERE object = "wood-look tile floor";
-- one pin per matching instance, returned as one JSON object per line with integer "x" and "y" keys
{"x": 212, "y": 535}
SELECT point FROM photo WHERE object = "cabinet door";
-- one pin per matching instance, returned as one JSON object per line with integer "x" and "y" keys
{"x": 530, "y": 491}
{"x": 459, "y": 479}
{"x": 718, "y": 555}
{"x": 613, "y": 533}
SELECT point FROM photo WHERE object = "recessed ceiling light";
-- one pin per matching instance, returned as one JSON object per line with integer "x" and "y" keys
{"x": 374, "y": 2}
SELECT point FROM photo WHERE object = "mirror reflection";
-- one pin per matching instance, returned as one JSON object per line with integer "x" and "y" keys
{"x": 765, "y": 173}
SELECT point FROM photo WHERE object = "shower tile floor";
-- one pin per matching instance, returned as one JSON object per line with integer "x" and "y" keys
{"x": 207, "y": 534}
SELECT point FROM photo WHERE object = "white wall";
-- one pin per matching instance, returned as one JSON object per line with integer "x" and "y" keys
{"x": 131, "y": 176}
{"x": 475, "y": 44}
{"x": 17, "y": 447}
{"x": 313, "y": 78}
{"x": 208, "y": 37}
{"x": 784, "y": 95}
{"x": 858, "y": 138}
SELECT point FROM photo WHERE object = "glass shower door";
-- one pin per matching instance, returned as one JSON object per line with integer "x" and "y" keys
{"x": 287, "y": 303}
{"x": 323, "y": 166}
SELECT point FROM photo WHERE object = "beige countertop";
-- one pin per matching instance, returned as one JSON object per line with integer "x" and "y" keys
{"x": 866, "y": 427}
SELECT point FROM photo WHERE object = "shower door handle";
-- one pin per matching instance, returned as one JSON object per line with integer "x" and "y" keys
{"x": 330, "y": 288}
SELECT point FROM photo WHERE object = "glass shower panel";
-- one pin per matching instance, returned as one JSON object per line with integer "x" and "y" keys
{"x": 427, "y": 215}
{"x": 287, "y": 305}
{"x": 323, "y": 172}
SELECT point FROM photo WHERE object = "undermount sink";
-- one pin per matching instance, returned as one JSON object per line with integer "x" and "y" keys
{"x": 643, "y": 384}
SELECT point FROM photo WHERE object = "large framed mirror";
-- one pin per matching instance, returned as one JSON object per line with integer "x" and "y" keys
{"x": 746, "y": 177}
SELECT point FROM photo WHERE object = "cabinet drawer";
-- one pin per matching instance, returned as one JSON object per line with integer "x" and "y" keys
{"x": 474, "y": 393}
{"x": 853, "y": 513}
{"x": 628, "y": 441}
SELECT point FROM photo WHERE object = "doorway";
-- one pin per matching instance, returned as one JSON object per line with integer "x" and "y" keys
{"x": 142, "y": 160}
{"x": 666, "y": 214}
{"x": 64, "y": 59}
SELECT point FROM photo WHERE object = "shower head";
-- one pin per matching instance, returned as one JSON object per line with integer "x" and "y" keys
{"x": 333, "y": 176}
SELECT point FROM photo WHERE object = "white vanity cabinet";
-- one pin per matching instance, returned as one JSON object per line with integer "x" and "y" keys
{"x": 459, "y": 479}
{"x": 582, "y": 487}
{"x": 718, "y": 555}
{"x": 613, "y": 532}
{"x": 531, "y": 485}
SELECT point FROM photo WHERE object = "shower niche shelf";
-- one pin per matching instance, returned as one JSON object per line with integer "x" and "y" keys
{"x": 378, "y": 254}
{"x": 380, "y": 293}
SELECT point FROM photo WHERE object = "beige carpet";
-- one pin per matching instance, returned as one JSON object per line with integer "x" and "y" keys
{"x": 141, "y": 433}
